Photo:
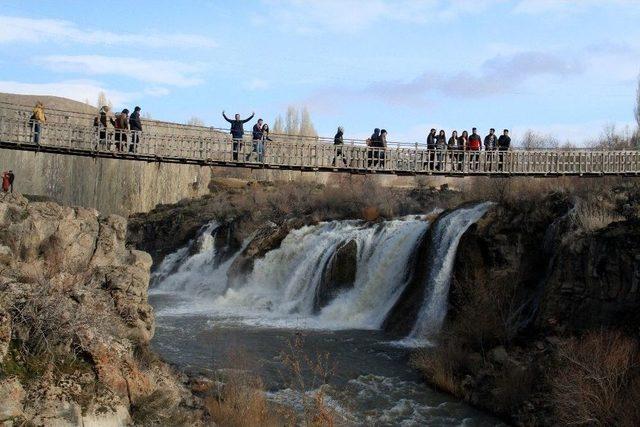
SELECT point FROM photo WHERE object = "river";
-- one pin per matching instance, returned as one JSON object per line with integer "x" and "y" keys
{"x": 205, "y": 325}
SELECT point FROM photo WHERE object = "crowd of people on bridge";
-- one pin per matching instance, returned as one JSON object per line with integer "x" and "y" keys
{"x": 123, "y": 130}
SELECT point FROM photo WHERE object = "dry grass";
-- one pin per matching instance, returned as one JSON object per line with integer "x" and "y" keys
{"x": 590, "y": 216}
{"x": 442, "y": 365}
{"x": 598, "y": 382}
{"x": 241, "y": 402}
{"x": 309, "y": 373}
{"x": 240, "y": 399}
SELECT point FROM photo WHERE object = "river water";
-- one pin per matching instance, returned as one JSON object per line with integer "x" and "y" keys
{"x": 206, "y": 326}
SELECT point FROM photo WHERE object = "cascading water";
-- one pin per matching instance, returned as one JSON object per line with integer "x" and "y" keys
{"x": 446, "y": 236}
{"x": 281, "y": 288}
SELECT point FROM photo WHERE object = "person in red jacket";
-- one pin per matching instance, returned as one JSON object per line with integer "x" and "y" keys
{"x": 475, "y": 144}
{"x": 5, "y": 182}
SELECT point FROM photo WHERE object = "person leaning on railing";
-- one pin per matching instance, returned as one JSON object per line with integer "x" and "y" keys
{"x": 37, "y": 120}
{"x": 105, "y": 122}
{"x": 122, "y": 127}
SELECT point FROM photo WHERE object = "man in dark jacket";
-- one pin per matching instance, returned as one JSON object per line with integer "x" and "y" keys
{"x": 491, "y": 140}
{"x": 338, "y": 142}
{"x": 431, "y": 140}
{"x": 431, "y": 145}
{"x": 490, "y": 145}
{"x": 135, "y": 123}
{"x": 504, "y": 142}
{"x": 237, "y": 132}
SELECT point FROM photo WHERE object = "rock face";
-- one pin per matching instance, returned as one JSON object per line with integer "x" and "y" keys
{"x": 404, "y": 313}
{"x": 265, "y": 239}
{"x": 74, "y": 318}
{"x": 595, "y": 281}
{"x": 573, "y": 279}
{"x": 339, "y": 274}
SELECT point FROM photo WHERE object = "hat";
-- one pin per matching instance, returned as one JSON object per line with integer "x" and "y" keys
{"x": 137, "y": 108}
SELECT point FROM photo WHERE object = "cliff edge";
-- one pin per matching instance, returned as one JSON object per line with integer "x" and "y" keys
{"x": 75, "y": 323}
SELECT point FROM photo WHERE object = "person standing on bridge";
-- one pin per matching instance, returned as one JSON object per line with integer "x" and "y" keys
{"x": 105, "y": 123}
{"x": 122, "y": 126}
{"x": 441, "y": 145}
{"x": 504, "y": 143}
{"x": 373, "y": 143}
{"x": 237, "y": 132}
{"x": 257, "y": 135}
{"x": 475, "y": 145}
{"x": 37, "y": 120}
{"x": 431, "y": 146}
{"x": 338, "y": 145}
{"x": 453, "y": 146}
{"x": 135, "y": 122}
{"x": 490, "y": 145}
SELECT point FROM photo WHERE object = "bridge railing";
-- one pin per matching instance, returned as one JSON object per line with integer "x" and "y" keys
{"x": 213, "y": 147}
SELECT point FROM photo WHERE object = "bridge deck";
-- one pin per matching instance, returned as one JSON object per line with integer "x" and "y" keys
{"x": 209, "y": 147}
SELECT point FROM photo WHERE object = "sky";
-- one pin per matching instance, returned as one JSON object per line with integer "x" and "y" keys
{"x": 560, "y": 67}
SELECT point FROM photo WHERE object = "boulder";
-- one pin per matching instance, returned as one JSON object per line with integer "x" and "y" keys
{"x": 339, "y": 274}
{"x": 12, "y": 396}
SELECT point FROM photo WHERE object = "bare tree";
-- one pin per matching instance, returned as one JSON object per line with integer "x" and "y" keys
{"x": 535, "y": 141}
{"x": 637, "y": 109}
{"x": 292, "y": 121}
{"x": 103, "y": 100}
{"x": 278, "y": 126}
{"x": 195, "y": 121}
{"x": 306, "y": 125}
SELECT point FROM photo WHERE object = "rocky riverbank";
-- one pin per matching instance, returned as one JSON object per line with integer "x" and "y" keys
{"x": 75, "y": 324}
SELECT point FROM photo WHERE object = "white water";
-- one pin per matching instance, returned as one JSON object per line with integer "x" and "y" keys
{"x": 280, "y": 290}
{"x": 446, "y": 237}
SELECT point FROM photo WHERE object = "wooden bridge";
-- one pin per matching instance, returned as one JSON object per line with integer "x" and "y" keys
{"x": 74, "y": 134}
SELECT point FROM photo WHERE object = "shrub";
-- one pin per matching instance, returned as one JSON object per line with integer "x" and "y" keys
{"x": 442, "y": 365}
{"x": 598, "y": 382}
{"x": 590, "y": 216}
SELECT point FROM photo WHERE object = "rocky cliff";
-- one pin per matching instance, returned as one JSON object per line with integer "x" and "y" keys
{"x": 531, "y": 279}
{"x": 75, "y": 323}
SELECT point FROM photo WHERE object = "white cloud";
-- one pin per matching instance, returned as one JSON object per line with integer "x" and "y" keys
{"x": 151, "y": 71}
{"x": 17, "y": 29}
{"x": 348, "y": 16}
{"x": 497, "y": 76}
{"x": 537, "y": 7}
{"x": 78, "y": 90}
{"x": 256, "y": 85}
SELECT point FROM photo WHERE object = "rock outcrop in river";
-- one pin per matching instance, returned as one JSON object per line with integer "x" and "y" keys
{"x": 75, "y": 323}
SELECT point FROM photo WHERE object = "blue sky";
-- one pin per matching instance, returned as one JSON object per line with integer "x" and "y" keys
{"x": 561, "y": 67}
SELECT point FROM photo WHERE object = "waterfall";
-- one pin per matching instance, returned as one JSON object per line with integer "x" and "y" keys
{"x": 446, "y": 236}
{"x": 281, "y": 288}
